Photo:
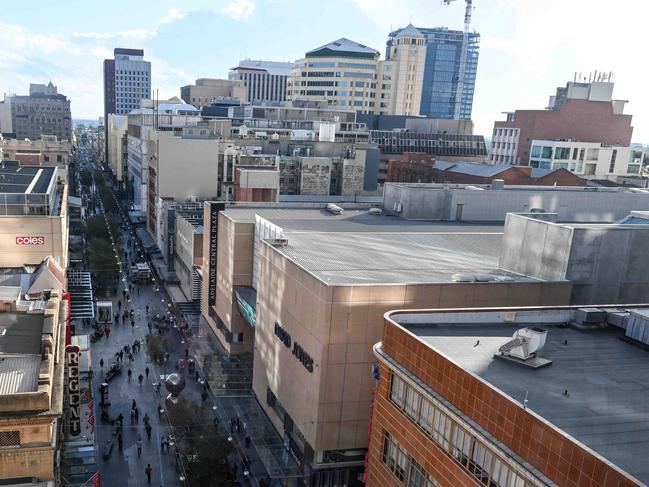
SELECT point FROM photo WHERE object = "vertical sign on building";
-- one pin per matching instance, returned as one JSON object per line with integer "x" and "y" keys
{"x": 74, "y": 396}
{"x": 214, "y": 237}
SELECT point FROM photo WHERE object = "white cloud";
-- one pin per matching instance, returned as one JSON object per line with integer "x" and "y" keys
{"x": 173, "y": 14}
{"x": 239, "y": 9}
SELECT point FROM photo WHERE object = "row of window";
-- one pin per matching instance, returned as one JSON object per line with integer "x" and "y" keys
{"x": 504, "y": 145}
{"x": 470, "y": 452}
{"x": 499, "y": 158}
{"x": 403, "y": 466}
{"x": 339, "y": 65}
{"x": 505, "y": 132}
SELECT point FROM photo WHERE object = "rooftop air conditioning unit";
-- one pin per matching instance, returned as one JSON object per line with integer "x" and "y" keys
{"x": 278, "y": 242}
{"x": 524, "y": 347}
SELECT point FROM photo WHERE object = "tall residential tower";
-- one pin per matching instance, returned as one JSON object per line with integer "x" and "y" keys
{"x": 441, "y": 68}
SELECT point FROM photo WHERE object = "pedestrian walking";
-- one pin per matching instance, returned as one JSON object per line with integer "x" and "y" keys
{"x": 123, "y": 294}
{"x": 186, "y": 352}
{"x": 148, "y": 471}
{"x": 146, "y": 371}
{"x": 119, "y": 441}
{"x": 107, "y": 331}
{"x": 148, "y": 429}
{"x": 130, "y": 372}
{"x": 150, "y": 327}
{"x": 146, "y": 419}
{"x": 157, "y": 388}
{"x": 101, "y": 365}
{"x": 139, "y": 446}
{"x": 132, "y": 323}
{"x": 137, "y": 415}
{"x": 119, "y": 305}
{"x": 203, "y": 397}
{"x": 147, "y": 309}
{"x": 163, "y": 440}
{"x": 247, "y": 440}
{"x": 132, "y": 416}
{"x": 133, "y": 404}
{"x": 140, "y": 378}
{"x": 121, "y": 355}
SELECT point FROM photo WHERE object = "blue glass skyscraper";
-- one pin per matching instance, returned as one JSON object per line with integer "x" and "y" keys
{"x": 442, "y": 71}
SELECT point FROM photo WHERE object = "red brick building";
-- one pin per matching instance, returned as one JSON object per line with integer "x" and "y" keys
{"x": 582, "y": 120}
{"x": 452, "y": 409}
{"x": 413, "y": 167}
{"x": 421, "y": 168}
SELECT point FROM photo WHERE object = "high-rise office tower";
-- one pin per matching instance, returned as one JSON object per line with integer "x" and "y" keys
{"x": 443, "y": 49}
{"x": 127, "y": 80}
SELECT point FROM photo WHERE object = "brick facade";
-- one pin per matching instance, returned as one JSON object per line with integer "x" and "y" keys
{"x": 512, "y": 176}
{"x": 583, "y": 120}
{"x": 556, "y": 455}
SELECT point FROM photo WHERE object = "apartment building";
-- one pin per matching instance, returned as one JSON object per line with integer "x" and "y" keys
{"x": 205, "y": 90}
{"x": 265, "y": 81}
{"x": 586, "y": 112}
{"x": 588, "y": 159}
{"x": 493, "y": 397}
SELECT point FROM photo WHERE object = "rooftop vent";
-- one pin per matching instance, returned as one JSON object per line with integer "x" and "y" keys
{"x": 278, "y": 242}
{"x": 524, "y": 347}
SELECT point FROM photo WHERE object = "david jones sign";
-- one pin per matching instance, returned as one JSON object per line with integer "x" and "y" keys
{"x": 26, "y": 240}
{"x": 299, "y": 353}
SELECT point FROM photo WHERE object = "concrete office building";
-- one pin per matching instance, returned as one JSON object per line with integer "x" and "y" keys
{"x": 312, "y": 287}
{"x": 342, "y": 72}
{"x": 589, "y": 159}
{"x": 43, "y": 112}
{"x": 48, "y": 150}
{"x": 459, "y": 401}
{"x": 205, "y": 90}
{"x": 492, "y": 203}
{"x": 587, "y": 113}
{"x": 143, "y": 125}
{"x": 6, "y": 127}
{"x": 127, "y": 81}
{"x": 32, "y": 353}
{"x": 265, "y": 81}
{"x": 33, "y": 215}
{"x": 188, "y": 253}
{"x": 117, "y": 144}
{"x": 426, "y": 73}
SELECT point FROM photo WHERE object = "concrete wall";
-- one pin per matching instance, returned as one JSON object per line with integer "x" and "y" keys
{"x": 338, "y": 326}
{"x": 434, "y": 202}
{"x": 353, "y": 173}
{"x": 315, "y": 175}
{"x": 607, "y": 264}
{"x": 234, "y": 268}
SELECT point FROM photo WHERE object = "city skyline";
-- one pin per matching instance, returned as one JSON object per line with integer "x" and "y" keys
{"x": 520, "y": 65}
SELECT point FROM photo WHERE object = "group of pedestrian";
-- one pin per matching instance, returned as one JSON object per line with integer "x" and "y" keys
{"x": 235, "y": 425}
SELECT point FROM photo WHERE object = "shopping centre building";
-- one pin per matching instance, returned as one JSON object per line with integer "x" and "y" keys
{"x": 33, "y": 215}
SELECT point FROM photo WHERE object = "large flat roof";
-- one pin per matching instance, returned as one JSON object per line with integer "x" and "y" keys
{"x": 352, "y": 220}
{"x": 399, "y": 257}
{"x": 23, "y": 179}
{"x": 607, "y": 379}
{"x": 20, "y": 333}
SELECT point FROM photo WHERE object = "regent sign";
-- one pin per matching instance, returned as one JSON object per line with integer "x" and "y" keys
{"x": 304, "y": 358}
{"x": 74, "y": 396}
{"x": 26, "y": 240}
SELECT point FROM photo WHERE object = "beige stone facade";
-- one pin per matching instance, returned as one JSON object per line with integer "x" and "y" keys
{"x": 337, "y": 326}
{"x": 17, "y": 247}
{"x": 29, "y": 419}
{"x": 205, "y": 90}
{"x": 46, "y": 151}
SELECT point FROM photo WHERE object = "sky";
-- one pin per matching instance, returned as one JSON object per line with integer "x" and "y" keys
{"x": 528, "y": 47}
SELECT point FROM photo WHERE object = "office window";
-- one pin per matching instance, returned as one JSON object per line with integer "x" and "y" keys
{"x": 546, "y": 153}
{"x": 536, "y": 151}
{"x": 405, "y": 468}
{"x": 611, "y": 167}
{"x": 574, "y": 153}
{"x": 562, "y": 153}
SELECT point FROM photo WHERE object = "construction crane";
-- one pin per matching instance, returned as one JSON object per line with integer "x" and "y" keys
{"x": 459, "y": 91}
